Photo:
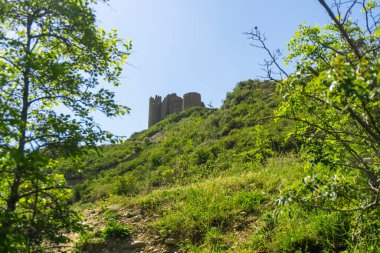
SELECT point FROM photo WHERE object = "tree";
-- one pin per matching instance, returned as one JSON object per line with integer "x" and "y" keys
{"x": 334, "y": 95}
{"x": 52, "y": 56}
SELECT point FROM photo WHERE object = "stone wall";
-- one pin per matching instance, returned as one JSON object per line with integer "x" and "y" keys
{"x": 191, "y": 99}
{"x": 172, "y": 103}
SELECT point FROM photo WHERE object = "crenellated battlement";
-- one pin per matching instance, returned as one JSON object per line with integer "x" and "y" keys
{"x": 156, "y": 100}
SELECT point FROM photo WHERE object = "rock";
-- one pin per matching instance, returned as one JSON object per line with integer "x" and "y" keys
{"x": 170, "y": 241}
{"x": 128, "y": 215}
{"x": 156, "y": 237}
{"x": 243, "y": 213}
{"x": 137, "y": 218}
{"x": 137, "y": 244}
{"x": 131, "y": 214}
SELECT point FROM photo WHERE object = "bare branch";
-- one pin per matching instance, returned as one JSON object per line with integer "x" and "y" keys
{"x": 257, "y": 36}
{"x": 344, "y": 33}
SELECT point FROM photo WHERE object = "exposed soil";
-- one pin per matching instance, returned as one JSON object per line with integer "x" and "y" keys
{"x": 142, "y": 239}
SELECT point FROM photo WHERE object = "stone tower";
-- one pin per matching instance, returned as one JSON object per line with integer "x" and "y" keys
{"x": 172, "y": 103}
{"x": 191, "y": 99}
{"x": 154, "y": 110}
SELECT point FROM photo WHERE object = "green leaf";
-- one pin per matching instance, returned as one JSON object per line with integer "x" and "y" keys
{"x": 377, "y": 33}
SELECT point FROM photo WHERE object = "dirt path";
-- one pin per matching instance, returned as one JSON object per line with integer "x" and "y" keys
{"x": 142, "y": 239}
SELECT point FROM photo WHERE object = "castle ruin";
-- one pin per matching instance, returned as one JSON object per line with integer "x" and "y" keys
{"x": 171, "y": 104}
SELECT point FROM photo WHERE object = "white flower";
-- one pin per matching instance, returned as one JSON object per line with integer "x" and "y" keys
{"x": 333, "y": 85}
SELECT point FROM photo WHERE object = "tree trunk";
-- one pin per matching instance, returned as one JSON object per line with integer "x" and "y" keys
{"x": 20, "y": 159}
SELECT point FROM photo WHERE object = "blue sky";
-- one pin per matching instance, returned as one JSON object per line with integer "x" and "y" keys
{"x": 181, "y": 46}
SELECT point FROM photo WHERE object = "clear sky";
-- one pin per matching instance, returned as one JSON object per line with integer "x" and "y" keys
{"x": 181, "y": 46}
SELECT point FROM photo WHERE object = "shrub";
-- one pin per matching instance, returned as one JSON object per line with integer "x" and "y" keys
{"x": 115, "y": 230}
{"x": 110, "y": 214}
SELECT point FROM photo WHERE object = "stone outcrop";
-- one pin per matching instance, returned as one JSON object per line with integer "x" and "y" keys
{"x": 171, "y": 104}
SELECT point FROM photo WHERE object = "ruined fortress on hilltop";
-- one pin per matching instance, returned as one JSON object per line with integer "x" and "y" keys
{"x": 172, "y": 103}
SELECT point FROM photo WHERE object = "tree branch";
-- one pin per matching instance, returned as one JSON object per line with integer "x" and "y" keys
{"x": 344, "y": 33}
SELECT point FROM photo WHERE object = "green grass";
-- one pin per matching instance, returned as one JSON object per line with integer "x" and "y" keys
{"x": 210, "y": 212}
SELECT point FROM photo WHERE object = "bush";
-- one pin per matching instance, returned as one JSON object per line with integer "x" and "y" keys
{"x": 115, "y": 230}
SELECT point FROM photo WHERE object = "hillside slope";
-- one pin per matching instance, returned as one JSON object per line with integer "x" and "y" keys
{"x": 204, "y": 180}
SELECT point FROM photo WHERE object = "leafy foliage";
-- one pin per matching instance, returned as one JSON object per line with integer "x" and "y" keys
{"x": 52, "y": 56}
{"x": 115, "y": 230}
{"x": 334, "y": 97}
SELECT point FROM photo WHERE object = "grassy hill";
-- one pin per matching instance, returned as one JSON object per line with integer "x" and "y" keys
{"x": 204, "y": 180}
